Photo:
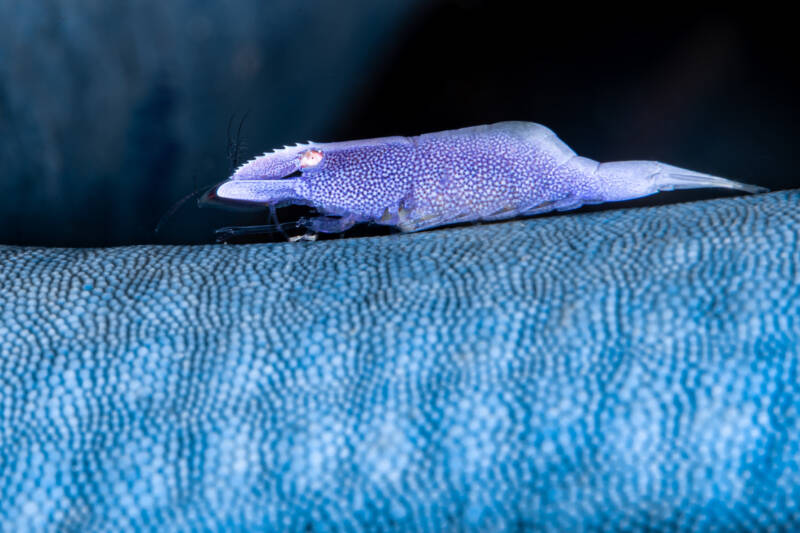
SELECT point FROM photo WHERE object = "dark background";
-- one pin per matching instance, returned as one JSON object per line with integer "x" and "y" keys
{"x": 112, "y": 111}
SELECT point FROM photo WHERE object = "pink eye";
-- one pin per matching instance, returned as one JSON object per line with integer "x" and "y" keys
{"x": 310, "y": 158}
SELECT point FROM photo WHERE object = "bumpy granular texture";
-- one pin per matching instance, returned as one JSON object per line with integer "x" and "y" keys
{"x": 489, "y": 172}
{"x": 630, "y": 370}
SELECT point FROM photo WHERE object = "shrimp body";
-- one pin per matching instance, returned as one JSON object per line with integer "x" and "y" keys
{"x": 490, "y": 172}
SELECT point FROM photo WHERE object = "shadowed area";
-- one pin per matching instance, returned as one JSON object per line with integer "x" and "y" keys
{"x": 111, "y": 111}
{"x": 633, "y": 367}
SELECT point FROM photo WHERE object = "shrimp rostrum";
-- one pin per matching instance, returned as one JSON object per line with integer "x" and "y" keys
{"x": 490, "y": 172}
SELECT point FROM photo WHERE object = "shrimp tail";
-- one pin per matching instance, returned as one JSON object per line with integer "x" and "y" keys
{"x": 673, "y": 178}
{"x": 625, "y": 180}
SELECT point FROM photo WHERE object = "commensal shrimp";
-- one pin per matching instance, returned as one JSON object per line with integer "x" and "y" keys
{"x": 490, "y": 172}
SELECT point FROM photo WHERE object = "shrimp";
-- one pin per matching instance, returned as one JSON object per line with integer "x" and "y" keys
{"x": 481, "y": 173}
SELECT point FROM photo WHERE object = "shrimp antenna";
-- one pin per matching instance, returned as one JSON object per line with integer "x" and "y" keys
{"x": 177, "y": 205}
{"x": 234, "y": 151}
{"x": 235, "y": 144}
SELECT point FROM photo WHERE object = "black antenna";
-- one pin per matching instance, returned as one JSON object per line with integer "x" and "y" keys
{"x": 177, "y": 205}
{"x": 234, "y": 149}
{"x": 235, "y": 144}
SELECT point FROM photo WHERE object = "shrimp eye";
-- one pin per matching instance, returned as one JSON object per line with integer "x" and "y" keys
{"x": 310, "y": 158}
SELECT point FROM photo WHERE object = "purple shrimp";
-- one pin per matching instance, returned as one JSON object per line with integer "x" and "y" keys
{"x": 489, "y": 172}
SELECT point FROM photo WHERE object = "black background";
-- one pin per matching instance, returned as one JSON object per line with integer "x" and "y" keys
{"x": 111, "y": 112}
